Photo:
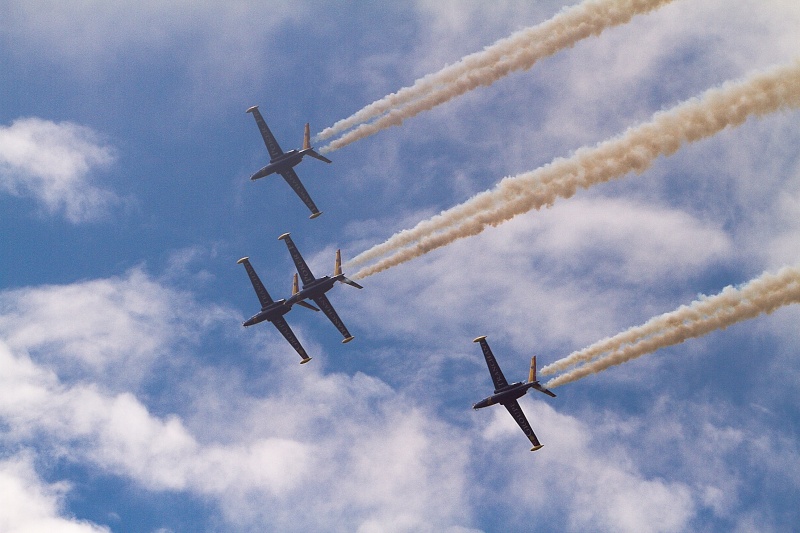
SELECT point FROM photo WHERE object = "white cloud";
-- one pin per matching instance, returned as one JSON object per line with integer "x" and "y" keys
{"x": 31, "y": 505}
{"x": 109, "y": 329}
{"x": 220, "y": 46}
{"x": 537, "y": 275}
{"x": 320, "y": 441}
{"x": 54, "y": 163}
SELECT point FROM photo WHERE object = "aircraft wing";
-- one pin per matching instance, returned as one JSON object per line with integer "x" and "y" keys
{"x": 272, "y": 145}
{"x": 494, "y": 369}
{"x": 297, "y": 186}
{"x": 519, "y": 417}
{"x": 325, "y": 304}
{"x": 299, "y": 262}
{"x": 283, "y": 326}
{"x": 261, "y": 291}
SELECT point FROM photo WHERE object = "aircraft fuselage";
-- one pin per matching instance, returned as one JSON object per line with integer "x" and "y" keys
{"x": 271, "y": 312}
{"x": 506, "y": 394}
{"x": 280, "y": 164}
{"x": 315, "y": 288}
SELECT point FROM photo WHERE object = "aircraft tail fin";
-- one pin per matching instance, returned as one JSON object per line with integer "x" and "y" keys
{"x": 337, "y": 269}
{"x": 307, "y": 150}
{"x": 301, "y": 303}
{"x": 295, "y": 285}
{"x": 337, "y": 272}
{"x": 532, "y": 373}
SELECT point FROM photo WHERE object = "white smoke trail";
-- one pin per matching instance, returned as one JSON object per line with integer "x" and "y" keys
{"x": 633, "y": 151}
{"x": 761, "y": 295}
{"x": 520, "y": 51}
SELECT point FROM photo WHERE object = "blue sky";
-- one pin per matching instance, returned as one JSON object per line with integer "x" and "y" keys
{"x": 131, "y": 399}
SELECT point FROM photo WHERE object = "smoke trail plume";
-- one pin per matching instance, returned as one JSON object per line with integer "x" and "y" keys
{"x": 761, "y": 295}
{"x": 519, "y": 51}
{"x": 633, "y": 151}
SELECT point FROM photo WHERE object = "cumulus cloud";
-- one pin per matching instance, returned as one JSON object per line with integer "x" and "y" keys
{"x": 54, "y": 164}
{"x": 109, "y": 329}
{"x": 293, "y": 451}
{"x": 31, "y": 505}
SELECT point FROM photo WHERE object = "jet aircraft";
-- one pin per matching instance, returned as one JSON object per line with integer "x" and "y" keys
{"x": 315, "y": 288}
{"x": 273, "y": 311}
{"x": 507, "y": 395}
{"x": 283, "y": 163}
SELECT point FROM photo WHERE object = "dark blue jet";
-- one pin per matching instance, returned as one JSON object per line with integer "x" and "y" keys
{"x": 507, "y": 395}
{"x": 315, "y": 288}
{"x": 273, "y": 311}
{"x": 283, "y": 163}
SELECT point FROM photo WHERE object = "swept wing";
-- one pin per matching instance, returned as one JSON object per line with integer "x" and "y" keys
{"x": 302, "y": 268}
{"x": 519, "y": 417}
{"x": 297, "y": 186}
{"x": 261, "y": 291}
{"x": 327, "y": 308}
{"x": 269, "y": 139}
{"x": 498, "y": 378}
{"x": 288, "y": 334}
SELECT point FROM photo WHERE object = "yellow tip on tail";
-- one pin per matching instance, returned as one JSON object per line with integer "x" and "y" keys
{"x": 337, "y": 268}
{"x": 295, "y": 285}
{"x": 307, "y": 137}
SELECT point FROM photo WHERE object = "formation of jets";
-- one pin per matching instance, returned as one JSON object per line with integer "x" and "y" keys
{"x": 314, "y": 288}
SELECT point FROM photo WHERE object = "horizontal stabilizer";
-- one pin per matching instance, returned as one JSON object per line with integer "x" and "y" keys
{"x": 315, "y": 155}
{"x": 351, "y": 283}
{"x": 307, "y": 150}
{"x": 542, "y": 389}
{"x": 307, "y": 305}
